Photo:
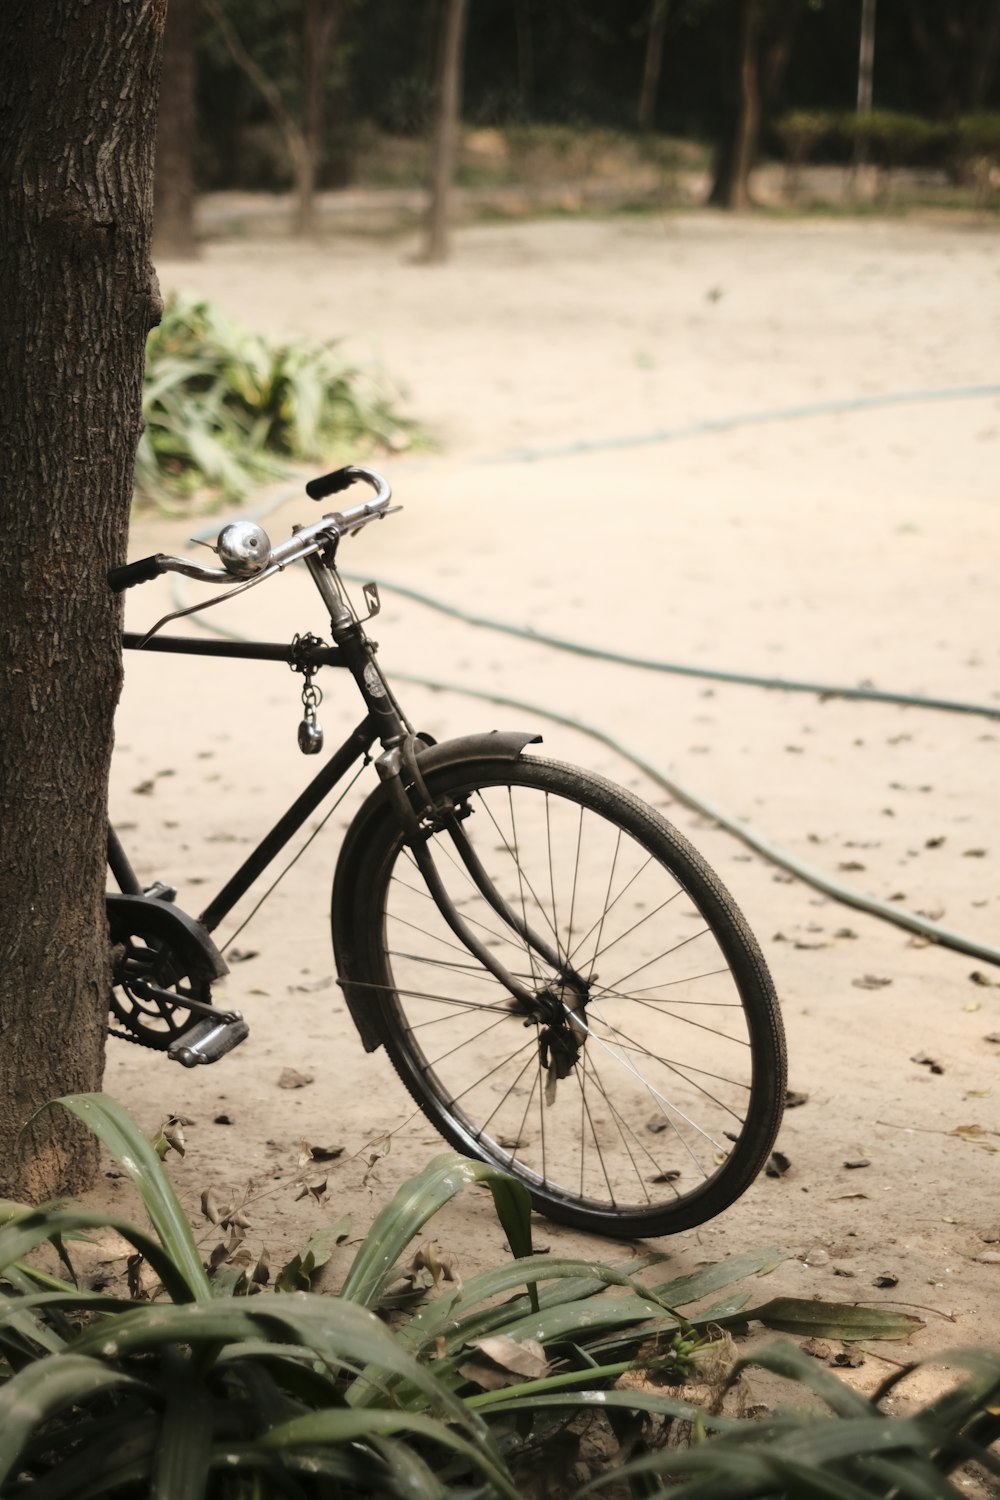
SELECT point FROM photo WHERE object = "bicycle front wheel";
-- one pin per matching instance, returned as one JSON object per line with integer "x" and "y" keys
{"x": 639, "y": 1097}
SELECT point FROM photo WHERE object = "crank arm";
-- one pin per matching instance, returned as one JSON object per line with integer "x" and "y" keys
{"x": 147, "y": 991}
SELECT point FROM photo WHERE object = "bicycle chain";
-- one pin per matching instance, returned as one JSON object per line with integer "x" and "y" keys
{"x": 130, "y": 1036}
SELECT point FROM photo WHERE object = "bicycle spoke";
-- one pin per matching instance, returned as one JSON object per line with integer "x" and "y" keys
{"x": 659, "y": 1040}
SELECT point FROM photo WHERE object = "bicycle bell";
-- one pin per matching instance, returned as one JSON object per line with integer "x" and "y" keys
{"x": 244, "y": 548}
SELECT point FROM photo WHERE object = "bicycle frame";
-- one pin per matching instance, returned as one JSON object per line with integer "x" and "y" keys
{"x": 357, "y": 745}
{"x": 399, "y": 771}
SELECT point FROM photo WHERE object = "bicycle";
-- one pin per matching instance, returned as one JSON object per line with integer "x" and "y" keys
{"x": 562, "y": 984}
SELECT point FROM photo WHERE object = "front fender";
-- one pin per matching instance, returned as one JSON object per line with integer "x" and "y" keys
{"x": 348, "y": 920}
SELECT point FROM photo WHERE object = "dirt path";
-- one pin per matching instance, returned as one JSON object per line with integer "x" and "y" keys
{"x": 843, "y": 546}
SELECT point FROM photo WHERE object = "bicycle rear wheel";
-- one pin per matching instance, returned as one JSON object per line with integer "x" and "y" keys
{"x": 639, "y": 1098}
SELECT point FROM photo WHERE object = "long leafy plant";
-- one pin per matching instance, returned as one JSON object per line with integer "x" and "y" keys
{"x": 224, "y": 407}
{"x": 201, "y": 1393}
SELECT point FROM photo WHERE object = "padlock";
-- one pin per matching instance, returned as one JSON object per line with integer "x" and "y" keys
{"x": 310, "y": 734}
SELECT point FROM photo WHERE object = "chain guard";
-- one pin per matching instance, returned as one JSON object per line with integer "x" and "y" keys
{"x": 157, "y": 943}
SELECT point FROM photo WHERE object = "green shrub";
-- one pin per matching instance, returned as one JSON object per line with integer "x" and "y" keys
{"x": 889, "y": 138}
{"x": 978, "y": 135}
{"x": 201, "y": 1392}
{"x": 802, "y": 131}
{"x": 223, "y": 407}
{"x": 892, "y": 139}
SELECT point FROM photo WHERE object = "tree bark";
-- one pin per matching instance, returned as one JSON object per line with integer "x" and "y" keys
{"x": 731, "y": 188}
{"x": 77, "y": 127}
{"x": 652, "y": 64}
{"x": 525, "y": 55}
{"x": 299, "y": 156}
{"x": 761, "y": 72}
{"x": 446, "y": 132}
{"x": 984, "y": 65}
{"x": 174, "y": 195}
{"x": 320, "y": 29}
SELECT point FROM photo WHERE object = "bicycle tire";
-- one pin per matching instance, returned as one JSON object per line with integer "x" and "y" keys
{"x": 597, "y": 1145}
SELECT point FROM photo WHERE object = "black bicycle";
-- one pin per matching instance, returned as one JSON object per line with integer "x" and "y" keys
{"x": 565, "y": 988}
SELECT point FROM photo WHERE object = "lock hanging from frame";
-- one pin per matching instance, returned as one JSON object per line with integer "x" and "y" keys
{"x": 310, "y": 732}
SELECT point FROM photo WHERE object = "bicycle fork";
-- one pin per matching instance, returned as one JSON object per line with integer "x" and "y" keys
{"x": 557, "y": 1005}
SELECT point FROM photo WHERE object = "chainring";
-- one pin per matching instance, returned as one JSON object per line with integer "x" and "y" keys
{"x": 142, "y": 957}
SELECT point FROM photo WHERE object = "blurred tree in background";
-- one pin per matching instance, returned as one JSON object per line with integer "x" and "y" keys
{"x": 287, "y": 91}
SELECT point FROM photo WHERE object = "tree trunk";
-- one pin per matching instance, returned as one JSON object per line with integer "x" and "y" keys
{"x": 761, "y": 73}
{"x": 525, "y": 56}
{"x": 985, "y": 61}
{"x": 866, "y": 57}
{"x": 653, "y": 63}
{"x": 173, "y": 212}
{"x": 78, "y": 117}
{"x": 747, "y": 135}
{"x": 446, "y": 132}
{"x": 299, "y": 158}
{"x": 321, "y": 26}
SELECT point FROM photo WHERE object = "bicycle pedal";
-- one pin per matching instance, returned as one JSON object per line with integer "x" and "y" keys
{"x": 209, "y": 1040}
{"x": 160, "y": 891}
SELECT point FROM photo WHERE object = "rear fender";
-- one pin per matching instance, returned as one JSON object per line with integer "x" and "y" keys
{"x": 348, "y": 919}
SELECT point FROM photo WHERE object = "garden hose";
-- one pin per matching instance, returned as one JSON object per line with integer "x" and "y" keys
{"x": 745, "y": 832}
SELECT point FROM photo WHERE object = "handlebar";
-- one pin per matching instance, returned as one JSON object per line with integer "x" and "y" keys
{"x": 238, "y": 562}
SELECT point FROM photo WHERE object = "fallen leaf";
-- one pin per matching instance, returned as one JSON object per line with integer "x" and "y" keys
{"x": 973, "y": 853}
{"x": 861, "y": 1161}
{"x": 173, "y": 1133}
{"x": 777, "y": 1164}
{"x": 211, "y": 1207}
{"x": 290, "y": 1078}
{"x": 870, "y": 982}
{"x": 794, "y": 1100}
{"x": 525, "y": 1358}
{"x": 242, "y": 955}
{"x": 978, "y": 977}
{"x": 326, "y": 1153}
{"x": 838, "y": 1320}
{"x": 223, "y": 1120}
{"x": 927, "y": 1062}
{"x": 886, "y": 1279}
{"x": 376, "y": 1150}
{"x": 311, "y": 986}
{"x": 312, "y": 1187}
{"x": 671, "y": 1175}
{"x": 442, "y": 1265}
{"x": 845, "y": 1358}
{"x": 976, "y": 1135}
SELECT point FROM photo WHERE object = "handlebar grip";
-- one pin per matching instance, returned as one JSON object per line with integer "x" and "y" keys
{"x": 332, "y": 484}
{"x": 129, "y": 574}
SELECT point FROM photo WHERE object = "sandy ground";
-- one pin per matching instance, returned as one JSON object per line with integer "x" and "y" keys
{"x": 571, "y": 371}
